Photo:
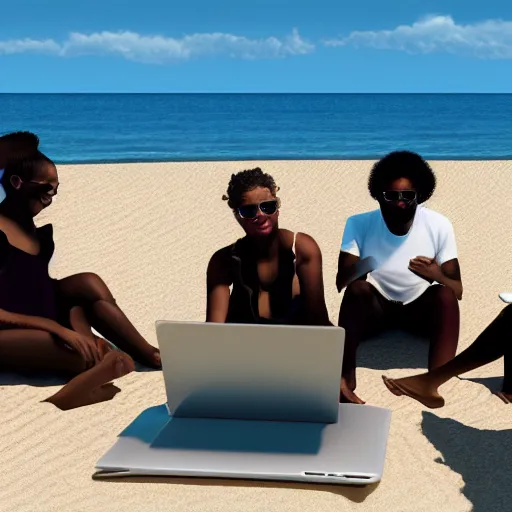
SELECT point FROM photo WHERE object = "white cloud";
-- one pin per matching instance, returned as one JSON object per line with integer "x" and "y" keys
{"x": 491, "y": 39}
{"x": 160, "y": 49}
{"x": 13, "y": 46}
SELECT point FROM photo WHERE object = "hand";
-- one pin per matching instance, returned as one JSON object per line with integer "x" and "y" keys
{"x": 426, "y": 267}
{"x": 86, "y": 346}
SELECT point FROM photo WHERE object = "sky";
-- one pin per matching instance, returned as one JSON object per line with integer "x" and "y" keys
{"x": 309, "y": 46}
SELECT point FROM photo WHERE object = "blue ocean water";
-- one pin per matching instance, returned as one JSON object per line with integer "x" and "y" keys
{"x": 76, "y": 128}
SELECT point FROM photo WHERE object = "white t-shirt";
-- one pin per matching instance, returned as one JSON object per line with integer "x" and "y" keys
{"x": 431, "y": 235}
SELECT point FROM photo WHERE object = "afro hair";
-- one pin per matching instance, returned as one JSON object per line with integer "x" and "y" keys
{"x": 402, "y": 164}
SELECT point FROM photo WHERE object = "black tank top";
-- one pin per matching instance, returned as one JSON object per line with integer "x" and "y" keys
{"x": 243, "y": 301}
{"x": 25, "y": 285}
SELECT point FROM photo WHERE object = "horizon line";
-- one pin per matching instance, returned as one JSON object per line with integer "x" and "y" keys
{"x": 257, "y": 93}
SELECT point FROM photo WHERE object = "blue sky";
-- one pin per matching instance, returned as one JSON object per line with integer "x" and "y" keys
{"x": 256, "y": 46}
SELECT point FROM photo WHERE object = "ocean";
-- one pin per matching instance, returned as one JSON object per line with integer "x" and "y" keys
{"x": 83, "y": 128}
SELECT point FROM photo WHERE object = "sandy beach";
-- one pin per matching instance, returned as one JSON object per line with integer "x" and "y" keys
{"x": 149, "y": 230}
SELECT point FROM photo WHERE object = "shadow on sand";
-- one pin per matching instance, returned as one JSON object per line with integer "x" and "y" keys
{"x": 493, "y": 384}
{"x": 153, "y": 428}
{"x": 356, "y": 494}
{"x": 393, "y": 349}
{"x": 481, "y": 457}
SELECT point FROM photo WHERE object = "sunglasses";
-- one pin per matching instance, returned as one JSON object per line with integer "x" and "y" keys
{"x": 250, "y": 211}
{"x": 400, "y": 195}
{"x": 42, "y": 188}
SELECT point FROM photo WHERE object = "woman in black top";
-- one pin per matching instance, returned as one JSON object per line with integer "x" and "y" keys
{"x": 276, "y": 275}
{"x": 45, "y": 324}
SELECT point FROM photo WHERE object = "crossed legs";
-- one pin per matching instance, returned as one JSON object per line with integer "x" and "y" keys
{"x": 88, "y": 291}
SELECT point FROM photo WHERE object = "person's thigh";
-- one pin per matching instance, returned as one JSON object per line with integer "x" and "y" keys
{"x": 34, "y": 351}
{"x": 365, "y": 309}
{"x": 82, "y": 289}
{"x": 422, "y": 316}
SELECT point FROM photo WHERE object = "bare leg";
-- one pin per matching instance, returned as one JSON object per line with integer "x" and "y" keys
{"x": 506, "y": 391}
{"x": 79, "y": 323}
{"x": 30, "y": 351}
{"x": 436, "y": 313}
{"x": 360, "y": 315}
{"x": 491, "y": 344}
{"x": 91, "y": 293}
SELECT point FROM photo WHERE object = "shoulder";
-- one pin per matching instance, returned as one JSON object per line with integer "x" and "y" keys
{"x": 221, "y": 256}
{"x": 220, "y": 265}
{"x": 435, "y": 219}
{"x": 362, "y": 220}
{"x": 306, "y": 247}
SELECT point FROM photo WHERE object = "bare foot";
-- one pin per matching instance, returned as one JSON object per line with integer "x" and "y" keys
{"x": 151, "y": 358}
{"x": 506, "y": 397}
{"x": 416, "y": 387}
{"x": 347, "y": 396}
{"x": 93, "y": 386}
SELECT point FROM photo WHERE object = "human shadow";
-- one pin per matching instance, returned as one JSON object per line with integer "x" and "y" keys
{"x": 154, "y": 428}
{"x": 393, "y": 349}
{"x": 481, "y": 457}
{"x": 493, "y": 384}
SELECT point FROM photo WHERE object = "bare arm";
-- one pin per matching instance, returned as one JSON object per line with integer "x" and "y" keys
{"x": 451, "y": 277}
{"x": 351, "y": 267}
{"x": 447, "y": 274}
{"x": 10, "y": 320}
{"x": 346, "y": 266}
{"x": 218, "y": 281}
{"x": 309, "y": 272}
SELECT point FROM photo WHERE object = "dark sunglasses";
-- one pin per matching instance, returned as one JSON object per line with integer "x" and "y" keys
{"x": 250, "y": 211}
{"x": 42, "y": 188}
{"x": 400, "y": 195}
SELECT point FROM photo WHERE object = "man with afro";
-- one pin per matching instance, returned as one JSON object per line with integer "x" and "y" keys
{"x": 399, "y": 266}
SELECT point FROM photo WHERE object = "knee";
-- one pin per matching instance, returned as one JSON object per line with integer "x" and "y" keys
{"x": 506, "y": 312}
{"x": 354, "y": 306}
{"x": 95, "y": 288}
{"x": 445, "y": 297}
{"x": 358, "y": 291}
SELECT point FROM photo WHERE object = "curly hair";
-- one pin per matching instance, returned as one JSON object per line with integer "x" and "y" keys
{"x": 244, "y": 181}
{"x": 402, "y": 164}
{"x": 17, "y": 146}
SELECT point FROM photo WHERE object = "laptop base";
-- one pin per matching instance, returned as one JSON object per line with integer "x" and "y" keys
{"x": 351, "y": 451}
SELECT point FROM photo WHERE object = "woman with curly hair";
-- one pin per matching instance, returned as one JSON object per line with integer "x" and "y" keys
{"x": 399, "y": 266}
{"x": 276, "y": 275}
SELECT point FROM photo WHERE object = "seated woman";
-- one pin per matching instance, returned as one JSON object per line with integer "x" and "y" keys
{"x": 276, "y": 275}
{"x": 491, "y": 344}
{"x": 45, "y": 324}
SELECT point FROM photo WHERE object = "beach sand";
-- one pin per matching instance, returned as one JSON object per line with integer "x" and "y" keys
{"x": 149, "y": 230}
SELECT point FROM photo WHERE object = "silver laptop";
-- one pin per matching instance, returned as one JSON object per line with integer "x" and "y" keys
{"x": 252, "y": 402}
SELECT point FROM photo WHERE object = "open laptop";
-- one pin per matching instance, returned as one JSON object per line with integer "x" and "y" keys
{"x": 252, "y": 402}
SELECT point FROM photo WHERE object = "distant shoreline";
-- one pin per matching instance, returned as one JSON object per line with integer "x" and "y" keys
{"x": 267, "y": 159}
